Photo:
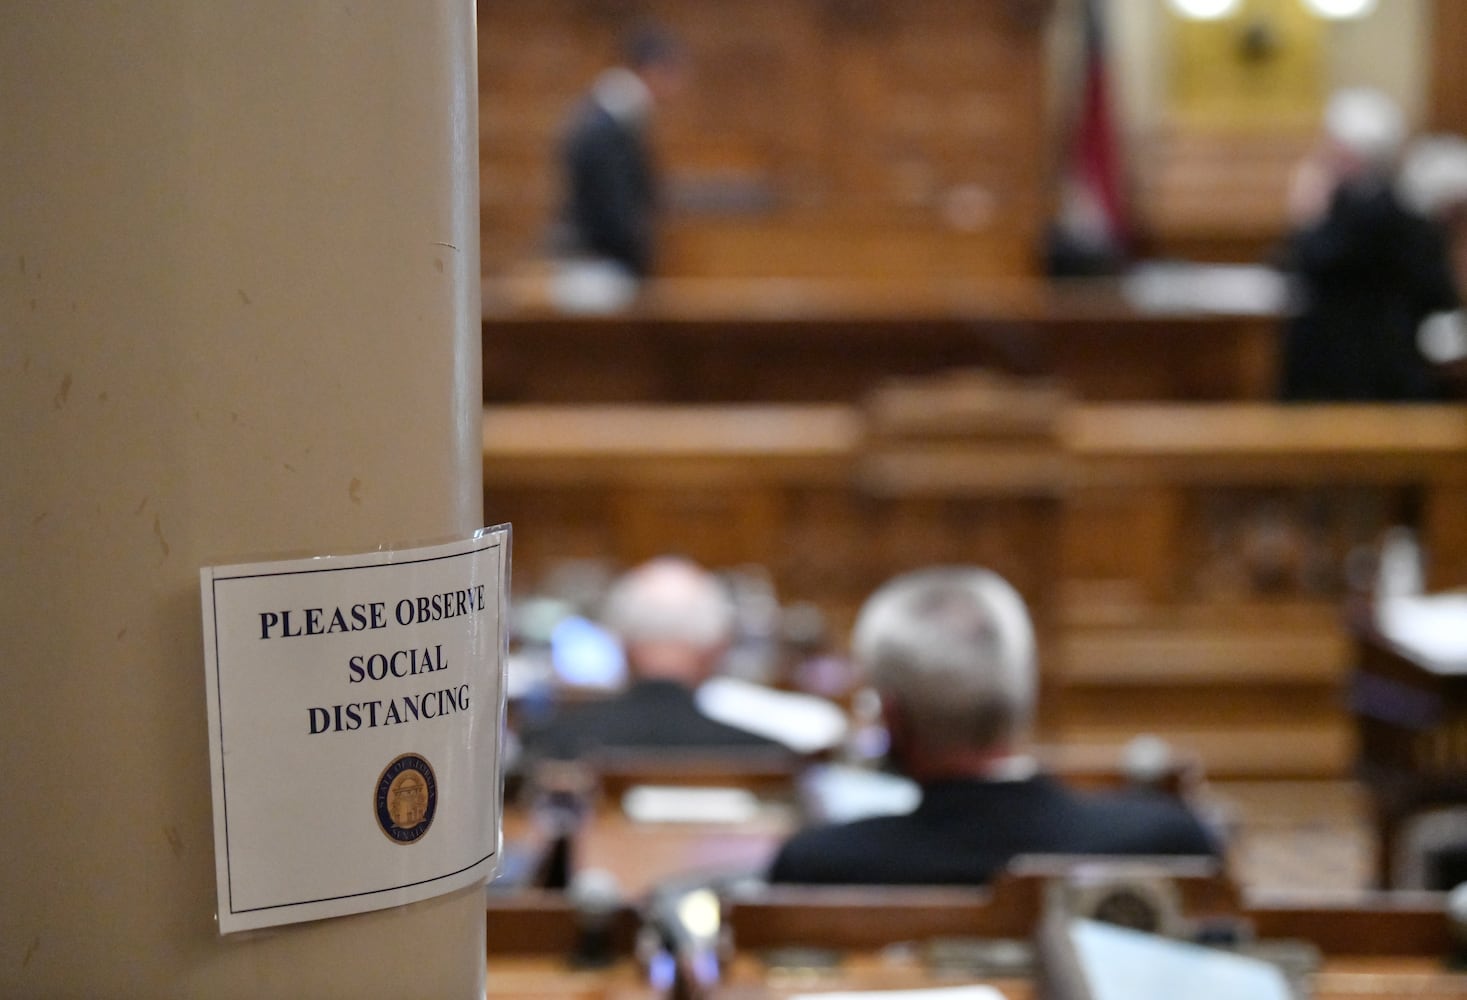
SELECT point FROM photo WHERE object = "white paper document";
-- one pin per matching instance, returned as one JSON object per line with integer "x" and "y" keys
{"x": 1122, "y": 964}
{"x": 940, "y": 993}
{"x": 354, "y": 707}
{"x": 802, "y": 722}
{"x": 841, "y": 793}
{"x": 672, "y": 804}
{"x": 1433, "y": 628}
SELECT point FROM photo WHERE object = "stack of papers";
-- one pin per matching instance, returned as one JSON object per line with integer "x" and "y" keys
{"x": 1432, "y": 628}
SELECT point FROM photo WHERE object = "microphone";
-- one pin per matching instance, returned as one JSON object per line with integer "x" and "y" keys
{"x": 597, "y": 898}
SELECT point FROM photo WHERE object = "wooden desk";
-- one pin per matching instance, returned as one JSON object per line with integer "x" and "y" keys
{"x": 531, "y": 938}
{"x": 749, "y": 978}
{"x": 540, "y": 977}
{"x": 1207, "y": 551}
{"x": 642, "y": 856}
{"x": 1340, "y": 978}
{"x": 1382, "y": 946}
{"x": 774, "y": 340}
{"x": 532, "y": 933}
{"x": 1385, "y": 945}
{"x": 1411, "y": 720}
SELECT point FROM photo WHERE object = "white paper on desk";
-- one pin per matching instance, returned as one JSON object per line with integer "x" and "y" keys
{"x": 1432, "y": 627}
{"x": 802, "y": 722}
{"x": 840, "y": 793}
{"x": 672, "y": 804}
{"x": 591, "y": 287}
{"x": 940, "y": 993}
{"x": 1237, "y": 289}
{"x": 1122, "y": 964}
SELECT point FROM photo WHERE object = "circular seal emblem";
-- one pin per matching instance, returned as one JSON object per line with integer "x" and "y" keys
{"x": 406, "y": 799}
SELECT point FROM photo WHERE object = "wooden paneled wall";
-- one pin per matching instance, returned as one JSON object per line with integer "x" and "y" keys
{"x": 820, "y": 138}
{"x": 901, "y": 138}
{"x": 1217, "y": 193}
{"x": 1447, "y": 100}
{"x": 1186, "y": 564}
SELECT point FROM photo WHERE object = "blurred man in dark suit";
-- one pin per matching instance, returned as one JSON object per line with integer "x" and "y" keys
{"x": 1369, "y": 270}
{"x": 674, "y": 620}
{"x": 610, "y": 179}
{"x": 951, "y": 654}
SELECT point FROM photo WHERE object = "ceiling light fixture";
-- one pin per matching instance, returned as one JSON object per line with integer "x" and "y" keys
{"x": 1341, "y": 10}
{"x": 1205, "y": 10}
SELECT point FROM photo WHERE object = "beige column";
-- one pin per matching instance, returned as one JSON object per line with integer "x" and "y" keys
{"x": 238, "y": 317}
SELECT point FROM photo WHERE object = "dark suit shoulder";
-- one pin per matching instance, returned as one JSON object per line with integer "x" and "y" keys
{"x": 649, "y": 714}
{"x": 861, "y": 852}
{"x": 964, "y": 832}
{"x": 595, "y": 137}
{"x": 1144, "y": 822}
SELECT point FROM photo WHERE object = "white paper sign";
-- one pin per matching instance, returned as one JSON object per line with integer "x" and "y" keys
{"x": 354, "y": 717}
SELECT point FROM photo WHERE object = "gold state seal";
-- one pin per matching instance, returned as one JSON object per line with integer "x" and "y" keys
{"x": 406, "y": 799}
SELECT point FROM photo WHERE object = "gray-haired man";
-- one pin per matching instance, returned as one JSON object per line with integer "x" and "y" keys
{"x": 951, "y": 653}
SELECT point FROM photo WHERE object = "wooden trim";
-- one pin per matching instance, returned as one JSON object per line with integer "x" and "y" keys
{"x": 544, "y": 922}
{"x": 1447, "y": 94}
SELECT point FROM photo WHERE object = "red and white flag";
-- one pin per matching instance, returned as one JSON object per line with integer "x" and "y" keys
{"x": 1093, "y": 215}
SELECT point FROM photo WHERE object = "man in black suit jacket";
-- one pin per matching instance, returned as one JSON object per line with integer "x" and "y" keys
{"x": 674, "y": 620}
{"x": 1369, "y": 270}
{"x": 610, "y": 183}
{"x": 951, "y": 653}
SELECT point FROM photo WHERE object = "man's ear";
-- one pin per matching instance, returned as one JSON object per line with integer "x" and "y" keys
{"x": 898, "y": 725}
